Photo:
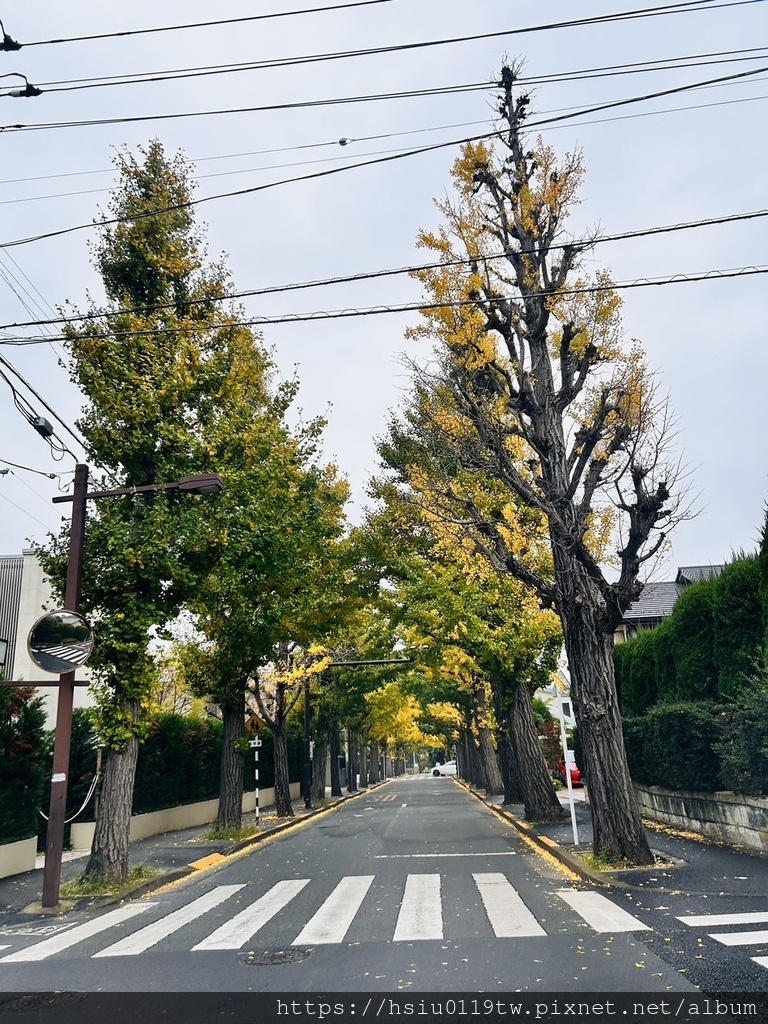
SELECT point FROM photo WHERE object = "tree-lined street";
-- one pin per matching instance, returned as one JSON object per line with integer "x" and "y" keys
{"x": 413, "y": 886}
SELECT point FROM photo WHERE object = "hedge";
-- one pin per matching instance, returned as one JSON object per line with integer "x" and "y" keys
{"x": 674, "y": 745}
{"x": 24, "y": 748}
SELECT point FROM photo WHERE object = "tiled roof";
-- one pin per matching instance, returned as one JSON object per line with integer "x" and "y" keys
{"x": 656, "y": 602}
{"x": 688, "y": 574}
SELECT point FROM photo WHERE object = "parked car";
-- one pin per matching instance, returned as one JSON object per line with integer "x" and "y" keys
{"x": 449, "y": 768}
{"x": 575, "y": 770}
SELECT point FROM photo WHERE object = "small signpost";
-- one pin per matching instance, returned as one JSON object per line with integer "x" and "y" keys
{"x": 254, "y": 725}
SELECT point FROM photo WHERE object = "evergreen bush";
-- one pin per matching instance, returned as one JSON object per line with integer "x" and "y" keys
{"x": 692, "y": 629}
{"x": 738, "y": 621}
{"x": 744, "y": 747}
{"x": 24, "y": 748}
{"x": 679, "y": 746}
{"x": 179, "y": 763}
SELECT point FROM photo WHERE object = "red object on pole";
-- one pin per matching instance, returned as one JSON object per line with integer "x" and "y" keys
{"x": 54, "y": 844}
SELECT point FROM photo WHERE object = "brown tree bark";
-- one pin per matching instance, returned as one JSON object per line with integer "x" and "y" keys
{"x": 352, "y": 762}
{"x": 489, "y": 772}
{"x": 319, "y": 766}
{"x": 373, "y": 770}
{"x": 335, "y": 746}
{"x": 363, "y": 765}
{"x": 283, "y": 803}
{"x": 539, "y": 796}
{"x": 230, "y": 813}
{"x": 108, "y": 861}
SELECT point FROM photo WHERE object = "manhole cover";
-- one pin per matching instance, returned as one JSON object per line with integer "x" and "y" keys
{"x": 270, "y": 957}
{"x": 39, "y": 1001}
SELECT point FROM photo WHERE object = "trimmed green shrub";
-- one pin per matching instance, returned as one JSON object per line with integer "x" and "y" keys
{"x": 679, "y": 741}
{"x": 665, "y": 666}
{"x": 24, "y": 748}
{"x": 738, "y": 619}
{"x": 634, "y": 743}
{"x": 744, "y": 747}
{"x": 179, "y": 763}
{"x": 641, "y": 692}
{"x": 692, "y": 628}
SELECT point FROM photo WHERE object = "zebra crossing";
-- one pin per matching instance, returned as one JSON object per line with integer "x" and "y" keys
{"x": 734, "y": 938}
{"x": 420, "y": 917}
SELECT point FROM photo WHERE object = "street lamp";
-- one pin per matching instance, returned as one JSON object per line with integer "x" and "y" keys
{"x": 54, "y": 845}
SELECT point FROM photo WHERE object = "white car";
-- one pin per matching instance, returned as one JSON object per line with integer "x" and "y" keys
{"x": 449, "y": 768}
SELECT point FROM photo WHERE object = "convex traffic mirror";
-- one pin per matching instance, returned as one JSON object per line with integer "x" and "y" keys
{"x": 60, "y": 641}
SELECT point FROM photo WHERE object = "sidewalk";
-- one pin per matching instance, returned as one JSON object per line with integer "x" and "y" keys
{"x": 692, "y": 863}
{"x": 172, "y": 854}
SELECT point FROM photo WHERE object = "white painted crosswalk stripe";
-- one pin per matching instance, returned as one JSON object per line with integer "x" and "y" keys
{"x": 601, "y": 913}
{"x": 509, "y": 916}
{"x": 717, "y": 920}
{"x": 243, "y": 926}
{"x": 153, "y": 933}
{"x": 421, "y": 914}
{"x": 64, "y": 940}
{"x": 331, "y": 922}
{"x": 420, "y": 917}
{"x": 761, "y": 960}
{"x": 741, "y": 938}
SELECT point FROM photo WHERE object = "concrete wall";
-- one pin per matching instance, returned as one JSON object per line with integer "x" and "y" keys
{"x": 175, "y": 818}
{"x": 15, "y": 858}
{"x": 740, "y": 820}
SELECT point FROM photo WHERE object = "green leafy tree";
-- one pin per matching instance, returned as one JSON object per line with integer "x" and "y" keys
{"x": 153, "y": 362}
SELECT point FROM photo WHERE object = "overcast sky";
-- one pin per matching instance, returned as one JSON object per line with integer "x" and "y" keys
{"x": 685, "y": 157}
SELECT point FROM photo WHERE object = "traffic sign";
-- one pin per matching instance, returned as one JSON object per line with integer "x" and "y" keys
{"x": 254, "y": 725}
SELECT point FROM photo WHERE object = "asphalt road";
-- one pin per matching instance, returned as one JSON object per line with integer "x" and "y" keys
{"x": 415, "y": 886}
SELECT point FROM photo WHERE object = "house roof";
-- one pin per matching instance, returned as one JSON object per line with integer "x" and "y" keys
{"x": 658, "y": 599}
{"x": 687, "y": 574}
{"x": 656, "y": 602}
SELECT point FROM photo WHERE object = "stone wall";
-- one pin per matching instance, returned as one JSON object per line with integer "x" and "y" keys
{"x": 735, "y": 819}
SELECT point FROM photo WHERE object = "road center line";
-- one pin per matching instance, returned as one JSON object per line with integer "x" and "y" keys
{"x": 437, "y": 856}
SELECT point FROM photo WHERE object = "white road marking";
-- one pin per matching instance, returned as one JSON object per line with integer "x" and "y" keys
{"x": 437, "y": 856}
{"x": 600, "y": 913}
{"x": 7, "y": 946}
{"x": 153, "y": 933}
{"x": 334, "y": 917}
{"x": 509, "y": 916}
{"x": 761, "y": 960}
{"x": 57, "y": 943}
{"x": 237, "y": 931}
{"x": 420, "y": 914}
{"x": 715, "y": 920}
{"x": 741, "y": 938}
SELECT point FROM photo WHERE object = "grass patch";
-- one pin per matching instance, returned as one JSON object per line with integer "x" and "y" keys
{"x": 233, "y": 834}
{"x": 83, "y": 886}
{"x": 601, "y": 861}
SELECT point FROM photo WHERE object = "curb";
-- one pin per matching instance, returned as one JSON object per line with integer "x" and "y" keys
{"x": 547, "y": 845}
{"x": 177, "y": 874}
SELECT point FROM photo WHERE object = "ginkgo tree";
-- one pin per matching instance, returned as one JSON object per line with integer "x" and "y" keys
{"x": 547, "y": 399}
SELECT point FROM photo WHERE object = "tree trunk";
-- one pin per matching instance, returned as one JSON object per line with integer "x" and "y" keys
{"x": 283, "y": 804}
{"x": 539, "y": 797}
{"x": 335, "y": 745}
{"x": 319, "y": 765}
{"x": 513, "y": 793}
{"x": 373, "y": 770}
{"x": 363, "y": 765}
{"x": 617, "y": 827}
{"x": 351, "y": 761}
{"x": 489, "y": 767}
{"x": 108, "y": 862}
{"x": 230, "y": 814}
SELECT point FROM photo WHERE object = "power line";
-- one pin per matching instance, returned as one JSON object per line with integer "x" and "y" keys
{"x": 342, "y": 314}
{"x": 263, "y": 108}
{"x": 40, "y": 399}
{"x": 730, "y": 218}
{"x": 40, "y": 472}
{"x": 687, "y": 7}
{"x": 203, "y": 71}
{"x": 26, "y": 513}
{"x": 388, "y": 159}
{"x": 207, "y": 24}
